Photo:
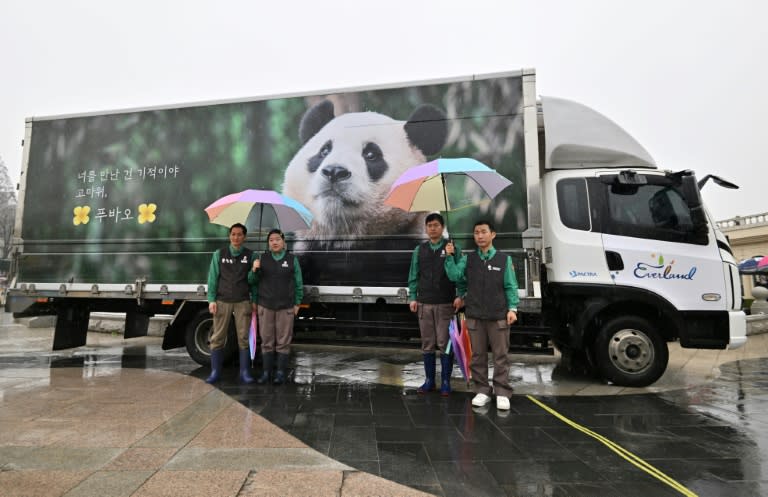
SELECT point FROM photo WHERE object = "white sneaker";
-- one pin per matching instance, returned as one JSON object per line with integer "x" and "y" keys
{"x": 502, "y": 403}
{"x": 481, "y": 399}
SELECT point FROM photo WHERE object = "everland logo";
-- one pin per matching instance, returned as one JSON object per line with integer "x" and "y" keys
{"x": 661, "y": 271}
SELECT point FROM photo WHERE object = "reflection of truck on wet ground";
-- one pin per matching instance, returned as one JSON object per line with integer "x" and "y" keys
{"x": 614, "y": 256}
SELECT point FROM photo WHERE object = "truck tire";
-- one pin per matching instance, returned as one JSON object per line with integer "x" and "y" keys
{"x": 198, "y": 339}
{"x": 629, "y": 352}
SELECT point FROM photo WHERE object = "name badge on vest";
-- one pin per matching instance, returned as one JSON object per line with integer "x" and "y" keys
{"x": 226, "y": 260}
{"x": 493, "y": 268}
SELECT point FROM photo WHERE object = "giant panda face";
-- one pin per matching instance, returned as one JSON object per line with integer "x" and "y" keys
{"x": 350, "y": 164}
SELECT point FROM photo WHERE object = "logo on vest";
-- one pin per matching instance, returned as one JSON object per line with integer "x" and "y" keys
{"x": 493, "y": 268}
{"x": 284, "y": 264}
{"x": 244, "y": 260}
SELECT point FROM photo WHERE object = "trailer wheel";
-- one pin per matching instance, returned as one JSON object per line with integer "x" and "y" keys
{"x": 198, "y": 339}
{"x": 630, "y": 352}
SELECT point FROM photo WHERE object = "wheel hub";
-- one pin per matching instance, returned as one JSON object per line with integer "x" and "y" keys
{"x": 631, "y": 351}
{"x": 203, "y": 335}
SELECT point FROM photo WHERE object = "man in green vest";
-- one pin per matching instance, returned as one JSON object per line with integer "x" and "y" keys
{"x": 433, "y": 297}
{"x": 486, "y": 279}
{"x": 230, "y": 292}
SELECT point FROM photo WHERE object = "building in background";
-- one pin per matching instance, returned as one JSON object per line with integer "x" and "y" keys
{"x": 748, "y": 236}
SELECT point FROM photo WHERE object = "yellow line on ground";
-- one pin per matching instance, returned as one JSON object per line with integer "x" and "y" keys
{"x": 624, "y": 453}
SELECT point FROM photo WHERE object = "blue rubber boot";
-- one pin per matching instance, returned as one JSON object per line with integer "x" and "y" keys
{"x": 429, "y": 369}
{"x": 267, "y": 361}
{"x": 245, "y": 366}
{"x": 217, "y": 360}
{"x": 282, "y": 364}
{"x": 446, "y": 368}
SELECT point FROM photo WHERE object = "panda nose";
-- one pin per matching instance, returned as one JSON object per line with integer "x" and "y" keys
{"x": 336, "y": 173}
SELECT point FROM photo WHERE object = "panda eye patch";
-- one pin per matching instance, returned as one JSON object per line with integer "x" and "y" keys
{"x": 374, "y": 161}
{"x": 327, "y": 147}
{"x": 372, "y": 152}
{"x": 314, "y": 162}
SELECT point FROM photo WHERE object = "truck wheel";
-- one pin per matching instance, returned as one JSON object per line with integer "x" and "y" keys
{"x": 198, "y": 339}
{"x": 630, "y": 352}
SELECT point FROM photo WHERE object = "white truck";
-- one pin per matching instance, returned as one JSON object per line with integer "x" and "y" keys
{"x": 631, "y": 259}
{"x": 614, "y": 256}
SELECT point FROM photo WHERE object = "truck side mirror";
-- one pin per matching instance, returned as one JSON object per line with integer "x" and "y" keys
{"x": 718, "y": 181}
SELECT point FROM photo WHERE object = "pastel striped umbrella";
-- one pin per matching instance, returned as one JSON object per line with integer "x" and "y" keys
{"x": 290, "y": 214}
{"x": 423, "y": 188}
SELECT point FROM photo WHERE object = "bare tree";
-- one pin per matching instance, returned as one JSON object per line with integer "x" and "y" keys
{"x": 7, "y": 210}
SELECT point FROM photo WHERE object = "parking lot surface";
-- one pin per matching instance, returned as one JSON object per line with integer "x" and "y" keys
{"x": 123, "y": 417}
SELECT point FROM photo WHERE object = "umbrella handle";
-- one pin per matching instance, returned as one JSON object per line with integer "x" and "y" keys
{"x": 450, "y": 240}
{"x": 445, "y": 199}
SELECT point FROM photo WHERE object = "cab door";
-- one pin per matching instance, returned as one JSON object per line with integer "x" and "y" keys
{"x": 651, "y": 241}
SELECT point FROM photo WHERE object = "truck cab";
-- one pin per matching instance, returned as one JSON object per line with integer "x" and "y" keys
{"x": 631, "y": 260}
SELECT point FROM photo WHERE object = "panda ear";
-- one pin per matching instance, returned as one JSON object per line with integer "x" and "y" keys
{"x": 427, "y": 129}
{"x": 314, "y": 119}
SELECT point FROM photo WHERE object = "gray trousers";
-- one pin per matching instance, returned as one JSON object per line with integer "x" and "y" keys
{"x": 276, "y": 330}
{"x": 481, "y": 333}
{"x": 224, "y": 311}
{"x": 433, "y": 325}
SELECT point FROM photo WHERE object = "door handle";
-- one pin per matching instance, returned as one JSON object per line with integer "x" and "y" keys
{"x": 615, "y": 263}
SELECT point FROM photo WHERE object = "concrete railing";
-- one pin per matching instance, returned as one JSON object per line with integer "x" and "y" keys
{"x": 739, "y": 221}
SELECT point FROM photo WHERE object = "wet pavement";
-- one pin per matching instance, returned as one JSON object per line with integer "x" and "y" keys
{"x": 123, "y": 417}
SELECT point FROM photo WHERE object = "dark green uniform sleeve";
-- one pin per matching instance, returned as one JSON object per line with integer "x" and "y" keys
{"x": 253, "y": 280}
{"x": 413, "y": 276}
{"x": 213, "y": 277}
{"x": 298, "y": 281}
{"x": 510, "y": 286}
{"x": 455, "y": 270}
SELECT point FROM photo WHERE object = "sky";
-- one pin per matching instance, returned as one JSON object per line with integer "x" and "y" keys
{"x": 688, "y": 79}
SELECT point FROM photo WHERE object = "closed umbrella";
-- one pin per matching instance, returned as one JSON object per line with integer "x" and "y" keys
{"x": 460, "y": 344}
{"x": 253, "y": 336}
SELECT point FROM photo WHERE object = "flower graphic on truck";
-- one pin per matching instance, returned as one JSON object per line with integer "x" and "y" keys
{"x": 81, "y": 215}
{"x": 147, "y": 213}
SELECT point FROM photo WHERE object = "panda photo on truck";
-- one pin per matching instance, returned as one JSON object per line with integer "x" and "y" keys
{"x": 346, "y": 166}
